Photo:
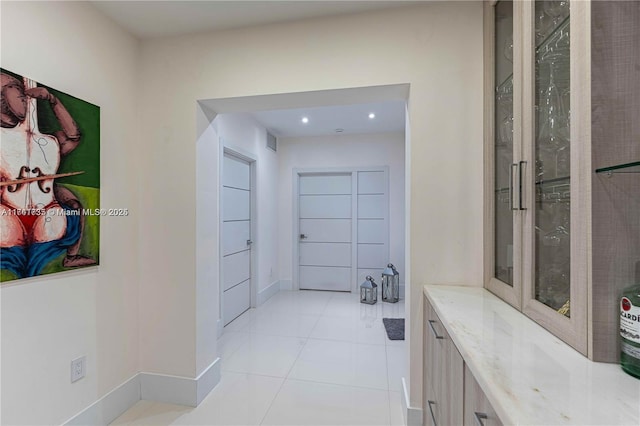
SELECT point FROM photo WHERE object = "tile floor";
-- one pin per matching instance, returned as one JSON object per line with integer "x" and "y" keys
{"x": 302, "y": 358}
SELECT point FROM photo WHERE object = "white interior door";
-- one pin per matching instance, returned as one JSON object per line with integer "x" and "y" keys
{"x": 325, "y": 226}
{"x": 236, "y": 237}
{"x": 373, "y": 227}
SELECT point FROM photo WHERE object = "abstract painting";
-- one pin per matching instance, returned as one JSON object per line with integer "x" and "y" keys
{"x": 49, "y": 180}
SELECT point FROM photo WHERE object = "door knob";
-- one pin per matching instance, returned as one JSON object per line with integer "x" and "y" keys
{"x": 249, "y": 242}
{"x": 303, "y": 237}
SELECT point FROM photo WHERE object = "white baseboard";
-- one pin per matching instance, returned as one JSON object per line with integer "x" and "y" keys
{"x": 150, "y": 386}
{"x": 207, "y": 380}
{"x": 286, "y": 285}
{"x": 268, "y": 292}
{"x": 111, "y": 406}
{"x": 179, "y": 390}
{"x": 412, "y": 415}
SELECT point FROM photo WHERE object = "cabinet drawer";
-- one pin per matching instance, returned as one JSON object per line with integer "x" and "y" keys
{"x": 477, "y": 409}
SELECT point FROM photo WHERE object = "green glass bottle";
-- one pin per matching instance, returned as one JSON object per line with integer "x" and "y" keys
{"x": 630, "y": 330}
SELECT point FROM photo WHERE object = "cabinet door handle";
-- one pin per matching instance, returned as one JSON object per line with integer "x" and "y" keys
{"x": 433, "y": 416}
{"x": 480, "y": 417}
{"x": 433, "y": 330}
{"x": 513, "y": 167}
{"x": 521, "y": 165}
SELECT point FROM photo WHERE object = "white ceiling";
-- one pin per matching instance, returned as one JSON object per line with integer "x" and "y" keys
{"x": 352, "y": 119}
{"x": 150, "y": 18}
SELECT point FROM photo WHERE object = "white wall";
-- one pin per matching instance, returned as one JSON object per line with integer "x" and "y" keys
{"x": 436, "y": 47}
{"x": 342, "y": 151}
{"x": 50, "y": 320}
{"x": 242, "y": 133}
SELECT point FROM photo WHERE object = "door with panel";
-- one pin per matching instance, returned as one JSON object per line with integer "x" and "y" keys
{"x": 236, "y": 237}
{"x": 372, "y": 223}
{"x": 325, "y": 227}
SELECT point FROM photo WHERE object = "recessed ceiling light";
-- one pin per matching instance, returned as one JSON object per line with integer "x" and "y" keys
{"x": 305, "y": 120}
{"x": 372, "y": 115}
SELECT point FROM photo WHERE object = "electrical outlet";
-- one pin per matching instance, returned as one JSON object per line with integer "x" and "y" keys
{"x": 78, "y": 368}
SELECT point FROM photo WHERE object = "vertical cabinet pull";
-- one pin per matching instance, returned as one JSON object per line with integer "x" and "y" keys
{"x": 521, "y": 166}
{"x": 433, "y": 416}
{"x": 433, "y": 330}
{"x": 480, "y": 417}
{"x": 513, "y": 167}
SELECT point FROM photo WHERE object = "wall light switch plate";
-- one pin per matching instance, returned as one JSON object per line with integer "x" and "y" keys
{"x": 78, "y": 368}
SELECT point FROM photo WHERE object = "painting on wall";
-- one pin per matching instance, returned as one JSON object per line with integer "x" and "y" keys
{"x": 49, "y": 180}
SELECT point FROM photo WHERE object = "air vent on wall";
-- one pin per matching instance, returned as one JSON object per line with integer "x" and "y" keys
{"x": 272, "y": 142}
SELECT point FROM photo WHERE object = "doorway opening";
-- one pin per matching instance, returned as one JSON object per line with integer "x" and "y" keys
{"x": 357, "y": 135}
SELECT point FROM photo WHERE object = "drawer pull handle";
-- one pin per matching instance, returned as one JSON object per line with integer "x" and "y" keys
{"x": 480, "y": 417}
{"x": 433, "y": 330}
{"x": 433, "y": 416}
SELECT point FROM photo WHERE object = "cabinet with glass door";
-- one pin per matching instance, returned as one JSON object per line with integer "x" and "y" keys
{"x": 533, "y": 222}
{"x": 561, "y": 122}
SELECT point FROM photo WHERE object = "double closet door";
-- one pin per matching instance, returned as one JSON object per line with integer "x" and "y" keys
{"x": 343, "y": 229}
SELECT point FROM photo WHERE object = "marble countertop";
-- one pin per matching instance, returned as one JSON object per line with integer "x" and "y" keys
{"x": 530, "y": 376}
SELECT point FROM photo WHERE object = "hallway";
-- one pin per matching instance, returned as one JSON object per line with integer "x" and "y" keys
{"x": 302, "y": 358}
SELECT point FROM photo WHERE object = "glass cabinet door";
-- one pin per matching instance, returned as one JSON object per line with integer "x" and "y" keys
{"x": 504, "y": 142}
{"x": 554, "y": 278}
{"x": 552, "y": 156}
{"x": 538, "y": 160}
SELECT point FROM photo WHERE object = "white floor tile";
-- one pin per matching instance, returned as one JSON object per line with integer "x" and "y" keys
{"x": 133, "y": 413}
{"x": 161, "y": 414}
{"x": 367, "y": 330}
{"x": 282, "y": 324}
{"x": 297, "y": 302}
{"x": 239, "y": 399}
{"x": 339, "y": 365}
{"x": 343, "y": 363}
{"x": 241, "y": 322}
{"x": 266, "y": 355}
{"x": 230, "y": 342}
{"x": 392, "y": 310}
{"x": 395, "y": 409}
{"x": 310, "y": 403}
{"x": 396, "y": 367}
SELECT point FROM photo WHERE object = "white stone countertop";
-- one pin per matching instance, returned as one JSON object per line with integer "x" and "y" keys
{"x": 530, "y": 376}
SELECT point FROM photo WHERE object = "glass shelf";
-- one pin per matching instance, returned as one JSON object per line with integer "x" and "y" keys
{"x": 633, "y": 167}
{"x": 554, "y": 180}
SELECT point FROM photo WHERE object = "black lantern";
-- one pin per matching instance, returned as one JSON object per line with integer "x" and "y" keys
{"x": 390, "y": 284}
{"x": 369, "y": 291}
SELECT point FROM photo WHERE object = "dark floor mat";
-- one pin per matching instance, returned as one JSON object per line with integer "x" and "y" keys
{"x": 394, "y": 327}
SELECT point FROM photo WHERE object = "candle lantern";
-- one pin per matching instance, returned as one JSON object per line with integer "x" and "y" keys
{"x": 369, "y": 291}
{"x": 390, "y": 284}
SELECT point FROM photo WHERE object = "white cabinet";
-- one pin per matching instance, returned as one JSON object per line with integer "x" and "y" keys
{"x": 545, "y": 99}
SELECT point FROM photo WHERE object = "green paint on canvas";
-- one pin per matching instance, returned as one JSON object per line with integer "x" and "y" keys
{"x": 86, "y": 156}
